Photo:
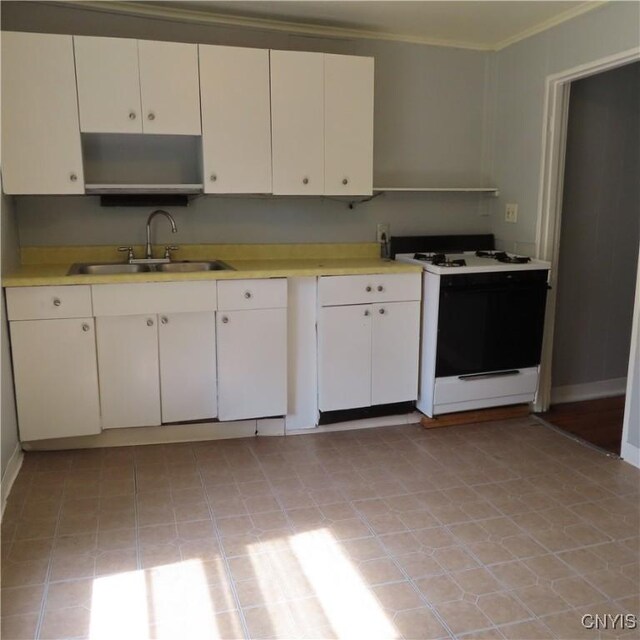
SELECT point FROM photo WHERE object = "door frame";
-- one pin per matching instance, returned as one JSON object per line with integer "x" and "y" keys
{"x": 552, "y": 165}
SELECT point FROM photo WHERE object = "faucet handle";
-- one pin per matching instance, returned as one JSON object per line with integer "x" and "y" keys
{"x": 168, "y": 249}
{"x": 129, "y": 251}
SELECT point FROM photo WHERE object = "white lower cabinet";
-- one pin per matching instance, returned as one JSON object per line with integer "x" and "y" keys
{"x": 128, "y": 370}
{"x": 187, "y": 344}
{"x": 368, "y": 353}
{"x": 56, "y": 381}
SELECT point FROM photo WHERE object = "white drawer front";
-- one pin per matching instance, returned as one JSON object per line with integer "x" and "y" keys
{"x": 235, "y": 295}
{"x": 153, "y": 297}
{"x": 454, "y": 390}
{"x": 43, "y": 303}
{"x": 390, "y": 287}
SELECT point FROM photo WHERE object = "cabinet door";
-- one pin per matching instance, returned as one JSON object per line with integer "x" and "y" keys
{"x": 236, "y": 119}
{"x": 56, "y": 378}
{"x": 128, "y": 371}
{"x": 344, "y": 357}
{"x": 108, "y": 84}
{"x": 41, "y": 152}
{"x": 188, "y": 366}
{"x": 252, "y": 363}
{"x": 348, "y": 118}
{"x": 297, "y": 122}
{"x": 169, "y": 87}
{"x": 395, "y": 352}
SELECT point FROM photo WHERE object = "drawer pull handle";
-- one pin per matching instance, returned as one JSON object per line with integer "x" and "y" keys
{"x": 305, "y": 180}
{"x": 368, "y": 289}
{"x": 149, "y": 322}
{"x": 483, "y": 376}
{"x": 164, "y": 320}
{"x": 213, "y": 177}
{"x": 85, "y": 327}
{"x": 381, "y": 312}
{"x": 380, "y": 287}
{"x": 151, "y": 116}
{"x": 225, "y": 319}
{"x": 57, "y": 302}
{"x": 247, "y": 294}
{"x": 366, "y": 313}
{"x": 73, "y": 177}
{"x": 132, "y": 115}
{"x": 345, "y": 181}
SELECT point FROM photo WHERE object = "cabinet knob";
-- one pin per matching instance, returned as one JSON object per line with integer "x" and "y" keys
{"x": 73, "y": 177}
{"x": 381, "y": 312}
{"x": 366, "y": 313}
{"x": 213, "y": 177}
{"x": 85, "y": 327}
{"x": 225, "y": 319}
{"x": 247, "y": 294}
{"x": 345, "y": 180}
{"x": 149, "y": 322}
{"x": 305, "y": 180}
{"x": 368, "y": 289}
{"x": 151, "y": 116}
{"x": 380, "y": 287}
{"x": 132, "y": 115}
{"x": 164, "y": 320}
{"x": 57, "y": 302}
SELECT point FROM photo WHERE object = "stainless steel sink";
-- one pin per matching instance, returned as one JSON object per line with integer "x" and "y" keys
{"x": 187, "y": 266}
{"x": 107, "y": 269}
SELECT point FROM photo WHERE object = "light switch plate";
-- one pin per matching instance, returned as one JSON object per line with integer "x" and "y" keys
{"x": 511, "y": 212}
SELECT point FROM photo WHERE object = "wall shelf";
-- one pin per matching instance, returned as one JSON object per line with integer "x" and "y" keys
{"x": 108, "y": 189}
{"x": 378, "y": 191}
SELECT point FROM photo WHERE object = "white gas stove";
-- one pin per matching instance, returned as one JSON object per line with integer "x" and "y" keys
{"x": 482, "y": 322}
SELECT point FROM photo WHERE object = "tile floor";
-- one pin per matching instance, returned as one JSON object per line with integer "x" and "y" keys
{"x": 501, "y": 530}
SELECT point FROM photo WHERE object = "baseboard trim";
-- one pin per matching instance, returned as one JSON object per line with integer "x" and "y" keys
{"x": 589, "y": 390}
{"x": 366, "y": 423}
{"x": 10, "y": 475}
{"x": 631, "y": 454}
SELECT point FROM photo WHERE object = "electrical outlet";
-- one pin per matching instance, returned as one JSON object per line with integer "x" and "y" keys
{"x": 382, "y": 232}
{"x": 511, "y": 213}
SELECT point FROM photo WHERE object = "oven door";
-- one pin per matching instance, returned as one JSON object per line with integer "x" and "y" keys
{"x": 490, "y": 322}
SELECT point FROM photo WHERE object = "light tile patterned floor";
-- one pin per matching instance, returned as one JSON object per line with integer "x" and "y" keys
{"x": 502, "y": 530}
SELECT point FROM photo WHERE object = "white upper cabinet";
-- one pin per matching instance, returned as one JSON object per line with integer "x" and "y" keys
{"x": 137, "y": 86}
{"x": 236, "y": 119}
{"x": 169, "y": 87}
{"x": 297, "y": 122}
{"x": 41, "y": 151}
{"x": 108, "y": 85}
{"x": 348, "y": 125}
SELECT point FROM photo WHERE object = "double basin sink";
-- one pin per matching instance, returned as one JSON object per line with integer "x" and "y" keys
{"x": 113, "y": 268}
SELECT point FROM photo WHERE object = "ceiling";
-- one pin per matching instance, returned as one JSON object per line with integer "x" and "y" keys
{"x": 475, "y": 25}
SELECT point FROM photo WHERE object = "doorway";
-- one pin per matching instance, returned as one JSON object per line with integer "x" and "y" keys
{"x": 597, "y": 263}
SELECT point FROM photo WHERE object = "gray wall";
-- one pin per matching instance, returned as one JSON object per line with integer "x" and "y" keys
{"x": 600, "y": 229}
{"x": 517, "y": 78}
{"x": 9, "y": 424}
{"x": 431, "y": 112}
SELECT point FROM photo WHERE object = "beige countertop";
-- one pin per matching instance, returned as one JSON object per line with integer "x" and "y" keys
{"x": 49, "y": 265}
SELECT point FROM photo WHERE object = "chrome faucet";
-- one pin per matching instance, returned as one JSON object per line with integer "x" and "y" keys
{"x": 174, "y": 229}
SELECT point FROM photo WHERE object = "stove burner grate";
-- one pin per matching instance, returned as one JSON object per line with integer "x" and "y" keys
{"x": 502, "y": 256}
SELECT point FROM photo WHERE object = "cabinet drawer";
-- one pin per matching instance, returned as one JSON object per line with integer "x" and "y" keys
{"x": 153, "y": 297}
{"x": 235, "y": 295}
{"x": 44, "y": 303}
{"x": 338, "y": 290}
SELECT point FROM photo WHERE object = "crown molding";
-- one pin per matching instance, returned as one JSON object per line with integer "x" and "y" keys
{"x": 198, "y": 16}
{"x": 589, "y": 5}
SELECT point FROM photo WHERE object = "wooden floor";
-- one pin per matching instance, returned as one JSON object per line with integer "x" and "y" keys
{"x": 596, "y": 421}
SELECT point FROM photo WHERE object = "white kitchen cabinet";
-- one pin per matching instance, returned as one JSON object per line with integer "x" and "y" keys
{"x": 344, "y": 357}
{"x": 395, "y": 352}
{"x": 348, "y": 125}
{"x": 187, "y": 349}
{"x": 137, "y": 86}
{"x": 368, "y": 353}
{"x": 41, "y": 150}
{"x": 297, "y": 122}
{"x": 128, "y": 370}
{"x": 252, "y": 363}
{"x": 236, "y": 119}
{"x": 56, "y": 378}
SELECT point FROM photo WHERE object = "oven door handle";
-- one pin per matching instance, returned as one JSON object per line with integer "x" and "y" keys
{"x": 482, "y": 376}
